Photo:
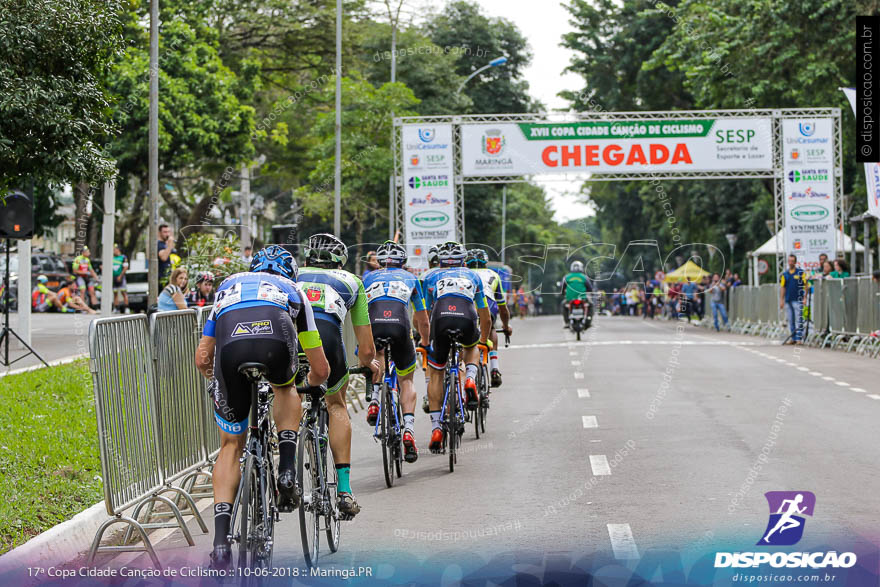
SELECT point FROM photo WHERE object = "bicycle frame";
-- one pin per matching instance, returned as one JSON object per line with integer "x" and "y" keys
{"x": 390, "y": 379}
{"x": 454, "y": 379}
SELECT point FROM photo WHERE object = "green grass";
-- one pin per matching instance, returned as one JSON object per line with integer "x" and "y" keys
{"x": 50, "y": 464}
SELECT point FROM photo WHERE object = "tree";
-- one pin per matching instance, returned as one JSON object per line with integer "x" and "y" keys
{"x": 54, "y": 113}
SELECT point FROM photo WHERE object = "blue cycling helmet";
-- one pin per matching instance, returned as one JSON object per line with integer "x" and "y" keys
{"x": 275, "y": 259}
{"x": 476, "y": 258}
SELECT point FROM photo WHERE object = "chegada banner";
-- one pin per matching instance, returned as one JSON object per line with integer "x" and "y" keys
{"x": 809, "y": 198}
{"x": 428, "y": 189}
{"x": 617, "y": 146}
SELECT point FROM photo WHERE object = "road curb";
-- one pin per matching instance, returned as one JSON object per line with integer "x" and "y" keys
{"x": 59, "y": 544}
{"x": 55, "y": 363}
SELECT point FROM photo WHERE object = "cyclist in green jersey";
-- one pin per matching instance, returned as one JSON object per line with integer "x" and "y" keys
{"x": 333, "y": 293}
{"x": 575, "y": 285}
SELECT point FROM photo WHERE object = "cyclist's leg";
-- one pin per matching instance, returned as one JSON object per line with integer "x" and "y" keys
{"x": 339, "y": 424}
{"x": 404, "y": 354}
{"x": 471, "y": 355}
{"x": 437, "y": 359}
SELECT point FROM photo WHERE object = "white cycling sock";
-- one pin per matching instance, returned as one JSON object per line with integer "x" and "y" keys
{"x": 493, "y": 359}
{"x": 435, "y": 420}
{"x": 471, "y": 371}
{"x": 409, "y": 422}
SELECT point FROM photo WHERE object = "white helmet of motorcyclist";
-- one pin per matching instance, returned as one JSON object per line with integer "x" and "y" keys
{"x": 577, "y": 267}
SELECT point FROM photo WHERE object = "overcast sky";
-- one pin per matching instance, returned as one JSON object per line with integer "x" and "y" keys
{"x": 543, "y": 22}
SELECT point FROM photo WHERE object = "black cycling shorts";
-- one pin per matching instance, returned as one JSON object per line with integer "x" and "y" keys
{"x": 260, "y": 334}
{"x": 390, "y": 319}
{"x": 451, "y": 313}
{"x": 334, "y": 350}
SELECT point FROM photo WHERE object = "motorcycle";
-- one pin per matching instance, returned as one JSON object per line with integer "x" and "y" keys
{"x": 580, "y": 316}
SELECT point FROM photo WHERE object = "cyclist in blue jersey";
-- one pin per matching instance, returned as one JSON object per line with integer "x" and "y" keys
{"x": 334, "y": 294}
{"x": 257, "y": 317}
{"x": 454, "y": 293}
{"x": 390, "y": 290}
{"x": 476, "y": 260}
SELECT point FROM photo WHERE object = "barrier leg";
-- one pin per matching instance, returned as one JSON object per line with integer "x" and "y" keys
{"x": 202, "y": 490}
{"x": 97, "y": 548}
{"x": 174, "y": 512}
{"x": 191, "y": 504}
{"x": 852, "y": 341}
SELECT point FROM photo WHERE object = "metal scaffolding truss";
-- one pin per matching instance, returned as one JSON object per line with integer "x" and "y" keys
{"x": 776, "y": 173}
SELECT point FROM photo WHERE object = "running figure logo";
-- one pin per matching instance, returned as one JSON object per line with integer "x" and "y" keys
{"x": 786, "y": 525}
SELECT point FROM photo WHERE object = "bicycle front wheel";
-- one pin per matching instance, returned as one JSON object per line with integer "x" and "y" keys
{"x": 245, "y": 511}
{"x": 308, "y": 476}
{"x": 331, "y": 520}
{"x": 386, "y": 427}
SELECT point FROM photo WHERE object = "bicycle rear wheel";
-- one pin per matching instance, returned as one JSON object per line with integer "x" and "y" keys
{"x": 245, "y": 511}
{"x": 386, "y": 441}
{"x": 452, "y": 420}
{"x": 484, "y": 397}
{"x": 398, "y": 443}
{"x": 307, "y": 475}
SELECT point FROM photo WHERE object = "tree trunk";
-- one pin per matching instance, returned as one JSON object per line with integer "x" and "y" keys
{"x": 359, "y": 232}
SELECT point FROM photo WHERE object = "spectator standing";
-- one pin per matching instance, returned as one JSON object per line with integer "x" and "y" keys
{"x": 166, "y": 249}
{"x": 689, "y": 298}
{"x": 841, "y": 269}
{"x": 372, "y": 264}
{"x": 717, "y": 293}
{"x": 171, "y": 297}
{"x": 248, "y": 256}
{"x": 86, "y": 277}
{"x": 120, "y": 267}
{"x": 791, "y": 295}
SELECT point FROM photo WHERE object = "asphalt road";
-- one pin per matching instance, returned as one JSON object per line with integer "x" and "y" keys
{"x": 644, "y": 438}
{"x": 53, "y": 336}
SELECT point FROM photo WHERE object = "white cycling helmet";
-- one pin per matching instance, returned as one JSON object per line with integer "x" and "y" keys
{"x": 577, "y": 267}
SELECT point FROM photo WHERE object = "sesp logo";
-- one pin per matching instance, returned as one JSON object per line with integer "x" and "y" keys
{"x": 426, "y": 135}
{"x": 807, "y": 128}
{"x": 787, "y": 511}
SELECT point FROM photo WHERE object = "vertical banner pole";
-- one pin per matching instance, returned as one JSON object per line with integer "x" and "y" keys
{"x": 108, "y": 230}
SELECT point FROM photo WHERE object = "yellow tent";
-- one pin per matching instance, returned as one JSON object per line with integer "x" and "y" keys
{"x": 690, "y": 271}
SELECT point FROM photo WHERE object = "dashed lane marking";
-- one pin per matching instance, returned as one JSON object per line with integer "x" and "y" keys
{"x": 583, "y": 392}
{"x": 550, "y": 345}
{"x": 578, "y": 375}
{"x": 590, "y": 421}
{"x": 599, "y": 465}
{"x": 622, "y": 542}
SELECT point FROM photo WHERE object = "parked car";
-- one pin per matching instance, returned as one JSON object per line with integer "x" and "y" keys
{"x": 137, "y": 284}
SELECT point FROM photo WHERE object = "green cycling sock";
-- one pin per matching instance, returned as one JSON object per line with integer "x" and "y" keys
{"x": 344, "y": 473}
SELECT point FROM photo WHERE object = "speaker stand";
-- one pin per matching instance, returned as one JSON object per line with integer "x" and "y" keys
{"x": 6, "y": 333}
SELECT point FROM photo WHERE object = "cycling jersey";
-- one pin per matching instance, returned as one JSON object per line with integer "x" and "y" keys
{"x": 428, "y": 279}
{"x": 575, "y": 285}
{"x": 396, "y": 285}
{"x": 332, "y": 293}
{"x": 492, "y": 288}
{"x": 459, "y": 282}
{"x": 247, "y": 290}
{"x": 82, "y": 265}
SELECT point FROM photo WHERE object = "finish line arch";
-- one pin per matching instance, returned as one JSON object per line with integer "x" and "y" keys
{"x": 798, "y": 148}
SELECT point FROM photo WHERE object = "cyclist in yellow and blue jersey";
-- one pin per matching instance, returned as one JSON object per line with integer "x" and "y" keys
{"x": 390, "y": 290}
{"x": 476, "y": 260}
{"x": 334, "y": 293}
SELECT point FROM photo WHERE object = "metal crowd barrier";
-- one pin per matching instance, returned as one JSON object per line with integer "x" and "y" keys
{"x": 211, "y": 434}
{"x": 122, "y": 370}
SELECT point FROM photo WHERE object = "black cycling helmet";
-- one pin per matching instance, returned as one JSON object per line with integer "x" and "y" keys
{"x": 451, "y": 254}
{"x": 433, "y": 258}
{"x": 275, "y": 259}
{"x": 206, "y": 276}
{"x": 391, "y": 254}
{"x": 326, "y": 249}
{"x": 476, "y": 258}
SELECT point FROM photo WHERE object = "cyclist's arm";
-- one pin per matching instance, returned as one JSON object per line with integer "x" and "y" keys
{"x": 205, "y": 356}
{"x": 363, "y": 332}
{"x": 485, "y": 323}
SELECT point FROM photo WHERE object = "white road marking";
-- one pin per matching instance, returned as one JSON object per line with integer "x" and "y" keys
{"x": 590, "y": 421}
{"x": 599, "y": 465}
{"x": 815, "y": 374}
{"x": 842, "y": 383}
{"x": 803, "y": 368}
{"x": 572, "y": 353}
{"x": 857, "y": 389}
{"x": 827, "y": 378}
{"x": 622, "y": 542}
{"x": 578, "y": 375}
{"x": 583, "y": 392}
{"x": 873, "y": 396}
{"x": 576, "y": 363}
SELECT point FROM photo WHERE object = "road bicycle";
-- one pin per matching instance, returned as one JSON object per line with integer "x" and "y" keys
{"x": 316, "y": 472}
{"x": 388, "y": 431}
{"x": 453, "y": 415}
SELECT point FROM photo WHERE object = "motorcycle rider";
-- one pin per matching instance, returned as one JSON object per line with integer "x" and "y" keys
{"x": 575, "y": 285}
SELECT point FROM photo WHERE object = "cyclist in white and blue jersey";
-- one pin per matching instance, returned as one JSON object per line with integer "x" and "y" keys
{"x": 258, "y": 316}
{"x": 456, "y": 299}
{"x": 390, "y": 292}
{"x": 476, "y": 261}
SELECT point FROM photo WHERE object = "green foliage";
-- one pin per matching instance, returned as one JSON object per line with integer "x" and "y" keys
{"x": 203, "y": 250}
{"x": 50, "y": 469}
{"x": 54, "y": 113}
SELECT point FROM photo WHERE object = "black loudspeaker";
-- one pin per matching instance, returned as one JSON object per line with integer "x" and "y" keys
{"x": 16, "y": 216}
{"x": 286, "y": 235}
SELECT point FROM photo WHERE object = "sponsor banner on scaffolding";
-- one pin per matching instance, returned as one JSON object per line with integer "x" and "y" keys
{"x": 622, "y": 146}
{"x": 810, "y": 223}
{"x": 428, "y": 189}
{"x": 872, "y": 170}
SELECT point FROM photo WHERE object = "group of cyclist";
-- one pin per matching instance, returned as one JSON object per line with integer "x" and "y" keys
{"x": 274, "y": 311}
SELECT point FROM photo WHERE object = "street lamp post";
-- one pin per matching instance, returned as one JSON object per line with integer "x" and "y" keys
{"x": 337, "y": 175}
{"x": 494, "y": 63}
